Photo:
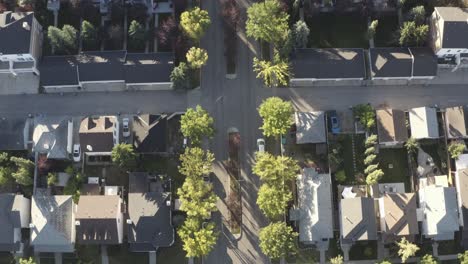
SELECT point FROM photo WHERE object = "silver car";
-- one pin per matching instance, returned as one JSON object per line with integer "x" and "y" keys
{"x": 125, "y": 127}
{"x": 261, "y": 145}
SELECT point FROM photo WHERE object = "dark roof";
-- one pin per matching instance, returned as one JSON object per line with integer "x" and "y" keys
{"x": 58, "y": 70}
{"x": 11, "y": 218}
{"x": 148, "y": 68}
{"x": 97, "y": 132}
{"x": 101, "y": 66}
{"x": 390, "y": 62}
{"x": 328, "y": 63}
{"x": 97, "y": 231}
{"x": 425, "y": 62}
{"x": 151, "y": 226}
{"x": 12, "y": 133}
{"x": 463, "y": 192}
{"x": 149, "y": 133}
{"x": 391, "y": 125}
{"x": 455, "y": 31}
{"x": 15, "y": 39}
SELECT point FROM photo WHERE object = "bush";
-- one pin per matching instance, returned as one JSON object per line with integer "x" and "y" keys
{"x": 372, "y": 29}
{"x": 340, "y": 176}
{"x": 413, "y": 35}
{"x": 180, "y": 77}
{"x": 455, "y": 149}
{"x": 418, "y": 14}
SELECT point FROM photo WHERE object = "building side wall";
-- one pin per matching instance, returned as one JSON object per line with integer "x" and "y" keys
{"x": 22, "y": 83}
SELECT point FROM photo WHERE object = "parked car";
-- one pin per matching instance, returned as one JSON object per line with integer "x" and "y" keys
{"x": 334, "y": 122}
{"x": 125, "y": 129}
{"x": 76, "y": 153}
{"x": 261, "y": 145}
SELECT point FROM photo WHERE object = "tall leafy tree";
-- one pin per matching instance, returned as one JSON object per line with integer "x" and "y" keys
{"x": 406, "y": 249}
{"x": 275, "y": 170}
{"x": 69, "y": 35}
{"x": 180, "y": 76}
{"x": 27, "y": 261}
{"x": 88, "y": 33}
{"x": 266, "y": 21}
{"x": 274, "y": 73}
{"x": 337, "y": 260}
{"x": 428, "y": 259}
{"x": 62, "y": 40}
{"x": 197, "y": 198}
{"x": 136, "y": 34}
{"x": 195, "y": 22}
{"x": 273, "y": 199}
{"x": 372, "y": 29}
{"x": 374, "y": 177}
{"x": 301, "y": 34}
{"x": 196, "y": 123}
{"x": 24, "y": 171}
{"x": 198, "y": 239}
{"x": 277, "y": 240}
{"x": 463, "y": 257}
{"x": 277, "y": 116}
{"x": 455, "y": 149}
{"x": 124, "y": 156}
{"x": 412, "y": 34}
{"x": 197, "y": 57}
{"x": 418, "y": 14}
{"x": 412, "y": 145}
{"x": 168, "y": 30}
{"x": 366, "y": 115}
{"x": 195, "y": 162}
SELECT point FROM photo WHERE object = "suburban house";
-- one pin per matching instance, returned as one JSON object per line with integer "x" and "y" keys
{"x": 150, "y": 133}
{"x": 15, "y": 213}
{"x": 99, "y": 220}
{"x": 107, "y": 71}
{"x": 149, "y": 213}
{"x": 14, "y": 133}
{"x": 391, "y": 127}
{"x": 98, "y": 135}
{"x": 438, "y": 208}
{"x": 449, "y": 33}
{"x": 20, "y": 50}
{"x": 455, "y": 122}
{"x": 357, "y": 219}
{"x": 393, "y": 65}
{"x": 310, "y": 127}
{"x": 53, "y": 223}
{"x": 319, "y": 66}
{"x": 461, "y": 181}
{"x": 52, "y": 136}
{"x": 423, "y": 123}
{"x": 314, "y": 213}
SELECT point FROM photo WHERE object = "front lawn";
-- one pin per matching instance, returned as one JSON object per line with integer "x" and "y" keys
{"x": 173, "y": 254}
{"x": 363, "y": 250}
{"x": 120, "y": 255}
{"x": 394, "y": 164}
{"x": 385, "y": 34}
{"x": 303, "y": 256}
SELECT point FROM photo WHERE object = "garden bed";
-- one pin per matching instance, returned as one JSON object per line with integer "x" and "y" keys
{"x": 386, "y": 30}
{"x": 363, "y": 250}
{"x": 234, "y": 199}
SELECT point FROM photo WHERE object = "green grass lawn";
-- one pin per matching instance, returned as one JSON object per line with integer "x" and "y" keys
{"x": 121, "y": 255}
{"x": 346, "y": 142}
{"x": 385, "y": 34}
{"x": 363, "y": 250}
{"x": 334, "y": 247}
{"x": 174, "y": 254}
{"x": 337, "y": 31}
{"x": 304, "y": 256}
{"x": 398, "y": 160}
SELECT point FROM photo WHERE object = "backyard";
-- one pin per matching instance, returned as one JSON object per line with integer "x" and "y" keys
{"x": 385, "y": 33}
{"x": 346, "y": 156}
{"x": 120, "y": 255}
{"x": 363, "y": 250}
{"x": 394, "y": 164}
{"x": 303, "y": 256}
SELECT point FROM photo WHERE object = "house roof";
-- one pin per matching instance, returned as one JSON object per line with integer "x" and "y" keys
{"x": 58, "y": 70}
{"x": 462, "y": 187}
{"x": 14, "y": 214}
{"x": 316, "y": 219}
{"x": 310, "y": 127}
{"x": 357, "y": 219}
{"x": 53, "y": 218}
{"x": 424, "y": 62}
{"x": 400, "y": 214}
{"x": 423, "y": 123}
{"x": 14, "y": 33}
{"x": 96, "y": 134}
{"x": 51, "y": 136}
{"x": 328, "y": 63}
{"x": 12, "y": 133}
{"x": 101, "y": 66}
{"x": 149, "y": 133}
{"x": 455, "y": 30}
{"x": 455, "y": 122}
{"x": 151, "y": 226}
{"x": 149, "y": 67}
{"x": 100, "y": 218}
{"x": 391, "y": 125}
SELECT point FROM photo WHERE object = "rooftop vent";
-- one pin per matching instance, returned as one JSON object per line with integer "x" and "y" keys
{"x": 26, "y": 26}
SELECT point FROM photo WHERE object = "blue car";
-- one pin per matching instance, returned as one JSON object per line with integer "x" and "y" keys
{"x": 334, "y": 122}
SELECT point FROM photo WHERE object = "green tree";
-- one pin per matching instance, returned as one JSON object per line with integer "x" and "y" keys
{"x": 337, "y": 260}
{"x": 198, "y": 239}
{"x": 370, "y": 159}
{"x": 366, "y": 115}
{"x": 406, "y": 249}
{"x": 136, "y": 34}
{"x": 277, "y": 240}
{"x": 340, "y": 176}
{"x": 74, "y": 184}
{"x": 89, "y": 33}
{"x": 275, "y": 170}
{"x": 372, "y": 29}
{"x": 369, "y": 151}
{"x": 385, "y": 262}
{"x": 277, "y": 116}
{"x": 371, "y": 141}
{"x": 418, "y": 14}
{"x": 301, "y": 34}
{"x": 27, "y": 261}
{"x": 24, "y": 171}
{"x": 371, "y": 168}
{"x": 196, "y": 57}
{"x": 52, "y": 179}
{"x": 274, "y": 73}
{"x": 195, "y": 22}
{"x": 195, "y": 162}
{"x": 5, "y": 175}
{"x": 412, "y": 145}
{"x": 455, "y": 149}
{"x": 197, "y": 198}
{"x": 273, "y": 199}
{"x": 124, "y": 156}
{"x": 197, "y": 123}
{"x": 463, "y": 257}
{"x": 266, "y": 21}
{"x": 428, "y": 259}
{"x": 69, "y": 35}
{"x": 180, "y": 76}
{"x": 412, "y": 34}
{"x": 62, "y": 40}
{"x": 374, "y": 177}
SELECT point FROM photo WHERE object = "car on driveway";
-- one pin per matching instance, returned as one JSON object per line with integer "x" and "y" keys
{"x": 261, "y": 145}
{"x": 76, "y": 153}
{"x": 334, "y": 122}
{"x": 125, "y": 129}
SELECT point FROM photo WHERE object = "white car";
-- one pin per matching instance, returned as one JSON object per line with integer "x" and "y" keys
{"x": 76, "y": 153}
{"x": 261, "y": 145}
{"x": 125, "y": 129}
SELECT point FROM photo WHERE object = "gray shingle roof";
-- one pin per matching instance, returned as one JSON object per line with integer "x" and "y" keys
{"x": 15, "y": 39}
{"x": 390, "y": 62}
{"x": 310, "y": 127}
{"x": 358, "y": 220}
{"x": 425, "y": 62}
{"x": 149, "y": 67}
{"x": 14, "y": 214}
{"x": 391, "y": 126}
{"x": 58, "y": 70}
{"x": 455, "y": 31}
{"x": 12, "y": 133}
{"x": 51, "y": 136}
{"x": 149, "y": 133}
{"x": 101, "y": 66}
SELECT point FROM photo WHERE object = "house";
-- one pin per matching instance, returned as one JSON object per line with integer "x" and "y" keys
{"x": 310, "y": 127}
{"x": 14, "y": 133}
{"x": 455, "y": 122}
{"x": 405, "y": 64}
{"x": 423, "y": 123}
{"x": 15, "y": 213}
{"x": 98, "y": 135}
{"x": 149, "y": 212}
{"x": 461, "y": 181}
{"x": 150, "y": 133}
{"x": 99, "y": 220}
{"x": 107, "y": 71}
{"x": 53, "y": 223}
{"x": 52, "y": 136}
{"x": 449, "y": 33}
{"x": 20, "y": 51}
{"x": 438, "y": 208}
{"x": 391, "y": 127}
{"x": 397, "y": 213}
{"x": 357, "y": 219}
{"x": 312, "y": 65}
{"x": 315, "y": 210}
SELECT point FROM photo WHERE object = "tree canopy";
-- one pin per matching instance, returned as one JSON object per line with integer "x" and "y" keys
{"x": 412, "y": 145}
{"x": 275, "y": 170}
{"x": 195, "y": 22}
{"x": 197, "y": 198}
{"x": 27, "y": 261}
{"x": 124, "y": 156}
{"x": 463, "y": 257}
{"x": 24, "y": 171}
{"x": 412, "y": 34}
{"x": 198, "y": 239}
{"x": 456, "y": 148}
{"x": 301, "y": 34}
{"x": 277, "y": 116}
{"x": 180, "y": 76}
{"x": 374, "y": 177}
{"x": 89, "y": 33}
{"x": 366, "y": 115}
{"x": 195, "y": 162}
{"x": 62, "y": 40}
{"x": 277, "y": 240}
{"x": 406, "y": 249}
{"x": 196, "y": 124}
{"x": 274, "y": 73}
{"x": 273, "y": 199}
{"x": 196, "y": 57}
{"x": 266, "y": 21}
{"x": 136, "y": 34}
{"x": 337, "y": 260}
{"x": 428, "y": 259}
